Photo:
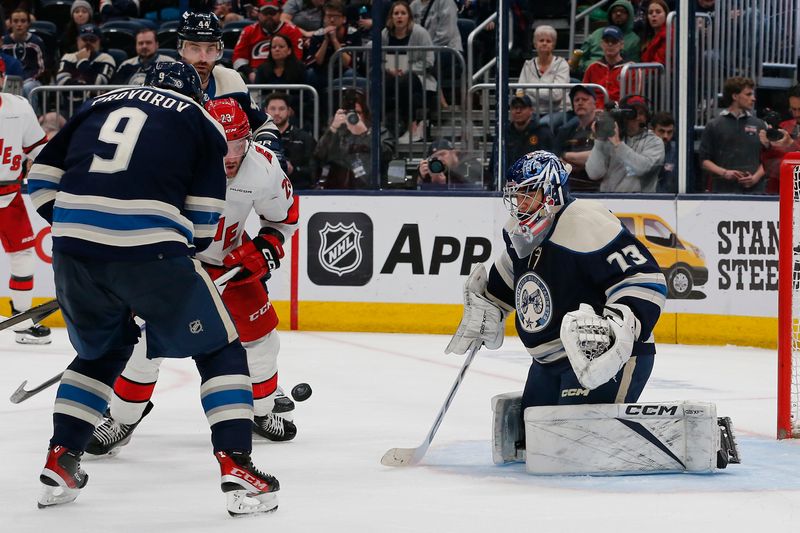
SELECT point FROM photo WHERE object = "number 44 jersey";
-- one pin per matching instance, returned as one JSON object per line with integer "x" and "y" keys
{"x": 589, "y": 257}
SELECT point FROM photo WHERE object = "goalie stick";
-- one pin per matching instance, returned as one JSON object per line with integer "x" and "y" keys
{"x": 20, "y": 395}
{"x": 412, "y": 456}
{"x": 36, "y": 314}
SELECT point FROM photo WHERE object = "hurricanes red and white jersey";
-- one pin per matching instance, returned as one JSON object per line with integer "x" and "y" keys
{"x": 260, "y": 185}
{"x": 21, "y": 137}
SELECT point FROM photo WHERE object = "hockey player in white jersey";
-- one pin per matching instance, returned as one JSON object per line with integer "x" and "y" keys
{"x": 255, "y": 183}
{"x": 21, "y": 140}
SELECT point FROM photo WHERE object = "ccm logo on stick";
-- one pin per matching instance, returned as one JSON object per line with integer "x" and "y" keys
{"x": 651, "y": 410}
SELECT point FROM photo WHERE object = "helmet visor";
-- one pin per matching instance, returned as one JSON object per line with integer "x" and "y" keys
{"x": 237, "y": 148}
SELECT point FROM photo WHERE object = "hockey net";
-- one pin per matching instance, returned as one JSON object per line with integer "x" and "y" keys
{"x": 789, "y": 299}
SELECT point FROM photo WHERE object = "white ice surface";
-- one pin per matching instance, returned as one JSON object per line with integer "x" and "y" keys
{"x": 377, "y": 391}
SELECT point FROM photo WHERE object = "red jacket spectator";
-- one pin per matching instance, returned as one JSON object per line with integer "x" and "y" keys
{"x": 601, "y": 73}
{"x": 655, "y": 50}
{"x": 255, "y": 40}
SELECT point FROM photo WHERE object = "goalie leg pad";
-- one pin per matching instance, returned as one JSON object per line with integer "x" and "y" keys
{"x": 615, "y": 439}
{"x": 508, "y": 442}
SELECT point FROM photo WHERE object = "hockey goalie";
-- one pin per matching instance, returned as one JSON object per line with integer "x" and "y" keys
{"x": 587, "y": 296}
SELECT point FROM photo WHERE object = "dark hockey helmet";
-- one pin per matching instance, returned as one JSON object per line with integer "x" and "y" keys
{"x": 531, "y": 173}
{"x": 200, "y": 27}
{"x": 177, "y": 76}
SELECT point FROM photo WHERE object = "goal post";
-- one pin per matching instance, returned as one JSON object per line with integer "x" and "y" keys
{"x": 789, "y": 299}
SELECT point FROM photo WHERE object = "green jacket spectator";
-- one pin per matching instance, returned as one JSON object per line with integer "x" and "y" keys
{"x": 619, "y": 14}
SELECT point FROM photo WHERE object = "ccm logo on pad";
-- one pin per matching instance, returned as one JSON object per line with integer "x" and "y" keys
{"x": 659, "y": 410}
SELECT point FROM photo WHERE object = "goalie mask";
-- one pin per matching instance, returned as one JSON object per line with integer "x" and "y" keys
{"x": 535, "y": 191}
{"x": 230, "y": 114}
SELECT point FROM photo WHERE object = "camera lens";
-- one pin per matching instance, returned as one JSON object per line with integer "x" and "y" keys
{"x": 435, "y": 165}
{"x": 353, "y": 118}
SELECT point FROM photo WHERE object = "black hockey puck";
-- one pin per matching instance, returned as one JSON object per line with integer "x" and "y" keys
{"x": 301, "y": 392}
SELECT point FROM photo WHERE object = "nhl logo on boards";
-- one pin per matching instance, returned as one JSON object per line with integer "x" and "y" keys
{"x": 533, "y": 303}
{"x": 340, "y": 249}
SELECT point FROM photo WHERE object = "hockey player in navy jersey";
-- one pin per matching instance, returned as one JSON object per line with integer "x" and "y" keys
{"x": 128, "y": 210}
{"x": 586, "y": 293}
{"x": 200, "y": 45}
{"x": 255, "y": 183}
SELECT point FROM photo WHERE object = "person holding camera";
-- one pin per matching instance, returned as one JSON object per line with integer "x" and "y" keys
{"x": 789, "y": 140}
{"x": 444, "y": 167}
{"x": 626, "y": 156}
{"x": 343, "y": 152}
{"x": 731, "y": 145}
{"x": 575, "y": 139}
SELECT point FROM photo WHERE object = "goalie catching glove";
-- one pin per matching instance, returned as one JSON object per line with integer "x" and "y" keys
{"x": 483, "y": 321}
{"x": 257, "y": 257}
{"x": 598, "y": 346}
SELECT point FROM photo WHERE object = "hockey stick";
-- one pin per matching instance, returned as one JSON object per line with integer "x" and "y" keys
{"x": 412, "y": 456}
{"x": 36, "y": 314}
{"x": 20, "y": 395}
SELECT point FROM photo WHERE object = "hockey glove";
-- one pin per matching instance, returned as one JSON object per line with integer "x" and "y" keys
{"x": 598, "y": 346}
{"x": 483, "y": 321}
{"x": 257, "y": 258}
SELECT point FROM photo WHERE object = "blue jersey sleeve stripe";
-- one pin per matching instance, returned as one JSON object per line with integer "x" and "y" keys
{"x": 655, "y": 287}
{"x": 117, "y": 222}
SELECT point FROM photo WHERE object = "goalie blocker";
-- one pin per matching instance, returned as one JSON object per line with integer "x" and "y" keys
{"x": 608, "y": 439}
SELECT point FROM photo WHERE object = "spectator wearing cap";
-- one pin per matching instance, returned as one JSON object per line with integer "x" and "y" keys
{"x": 620, "y": 15}
{"x": 131, "y": 71}
{"x": 575, "y": 139}
{"x": 526, "y": 133}
{"x": 607, "y": 70}
{"x": 445, "y": 168}
{"x": 630, "y": 159}
{"x": 89, "y": 65}
{"x": 253, "y": 46}
{"x": 81, "y": 12}
{"x": 27, "y": 48}
{"x": 545, "y": 68}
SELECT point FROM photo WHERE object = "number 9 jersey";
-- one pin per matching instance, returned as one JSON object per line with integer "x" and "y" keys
{"x": 588, "y": 257}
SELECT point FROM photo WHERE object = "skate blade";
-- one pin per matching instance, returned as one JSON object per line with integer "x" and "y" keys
{"x": 24, "y": 339}
{"x": 52, "y": 496}
{"x": 240, "y": 503}
{"x": 99, "y": 457}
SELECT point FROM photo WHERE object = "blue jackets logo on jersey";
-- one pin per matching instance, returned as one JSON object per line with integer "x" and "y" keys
{"x": 533, "y": 303}
{"x": 340, "y": 249}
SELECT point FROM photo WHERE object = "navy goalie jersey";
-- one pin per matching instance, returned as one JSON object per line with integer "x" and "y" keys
{"x": 589, "y": 257}
{"x": 136, "y": 174}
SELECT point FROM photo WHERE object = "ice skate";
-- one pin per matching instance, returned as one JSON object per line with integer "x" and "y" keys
{"x": 274, "y": 427}
{"x": 110, "y": 436}
{"x": 729, "y": 451}
{"x": 62, "y": 477}
{"x": 248, "y": 491}
{"x": 34, "y": 334}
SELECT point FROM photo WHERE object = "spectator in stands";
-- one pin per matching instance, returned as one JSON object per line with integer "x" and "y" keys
{"x": 640, "y": 14}
{"x": 359, "y": 15}
{"x": 28, "y": 49}
{"x": 440, "y": 18}
{"x": 575, "y": 139}
{"x": 254, "y": 42}
{"x": 343, "y": 152}
{"x": 789, "y": 142}
{"x": 545, "y": 68}
{"x": 51, "y": 123}
{"x": 730, "y": 148}
{"x": 607, "y": 70}
{"x": 89, "y": 65}
{"x": 630, "y": 158}
{"x": 282, "y": 65}
{"x": 118, "y": 9}
{"x": 81, "y": 12}
{"x": 654, "y": 42}
{"x": 664, "y": 128}
{"x": 335, "y": 35}
{"x": 223, "y": 9}
{"x": 445, "y": 168}
{"x": 308, "y": 15}
{"x": 408, "y": 69}
{"x": 131, "y": 71}
{"x": 620, "y": 15}
{"x": 298, "y": 145}
{"x": 525, "y": 134}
